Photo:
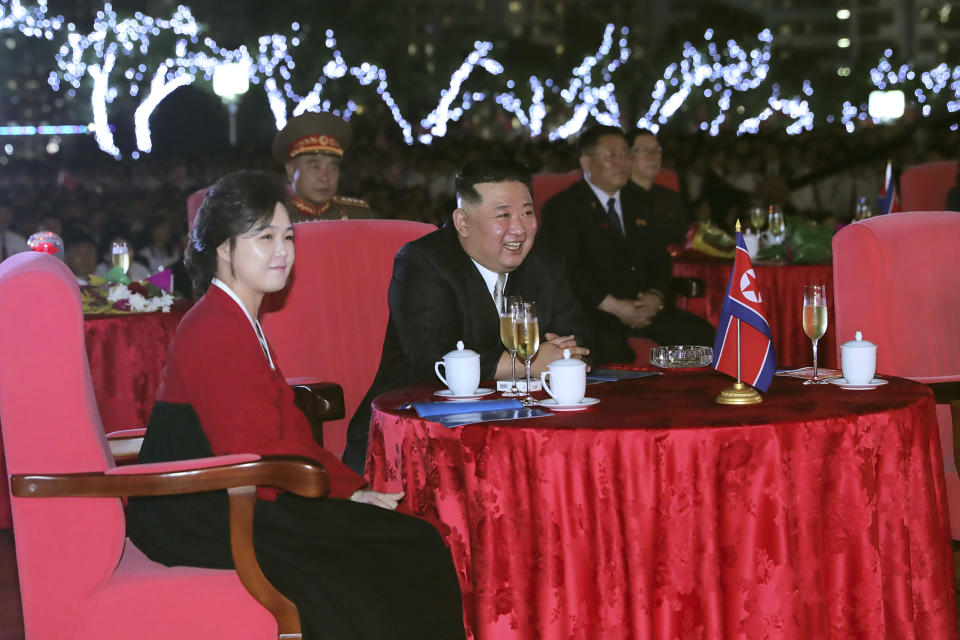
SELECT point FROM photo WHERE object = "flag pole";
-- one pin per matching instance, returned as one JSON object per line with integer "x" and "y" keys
{"x": 739, "y": 393}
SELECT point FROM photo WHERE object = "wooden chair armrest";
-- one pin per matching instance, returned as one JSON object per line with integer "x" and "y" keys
{"x": 296, "y": 474}
{"x": 302, "y": 476}
{"x": 320, "y": 401}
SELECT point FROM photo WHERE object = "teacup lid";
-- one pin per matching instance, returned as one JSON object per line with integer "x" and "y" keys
{"x": 858, "y": 343}
{"x": 567, "y": 361}
{"x": 461, "y": 352}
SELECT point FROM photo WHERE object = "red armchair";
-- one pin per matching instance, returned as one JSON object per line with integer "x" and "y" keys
{"x": 79, "y": 575}
{"x": 329, "y": 323}
{"x": 894, "y": 279}
{"x": 924, "y": 187}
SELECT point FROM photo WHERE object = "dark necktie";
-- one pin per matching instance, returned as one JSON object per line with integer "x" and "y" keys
{"x": 612, "y": 214}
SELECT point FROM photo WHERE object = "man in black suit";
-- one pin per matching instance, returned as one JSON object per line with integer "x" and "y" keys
{"x": 616, "y": 257}
{"x": 663, "y": 206}
{"x": 444, "y": 286}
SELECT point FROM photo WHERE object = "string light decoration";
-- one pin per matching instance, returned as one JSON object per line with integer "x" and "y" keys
{"x": 112, "y": 60}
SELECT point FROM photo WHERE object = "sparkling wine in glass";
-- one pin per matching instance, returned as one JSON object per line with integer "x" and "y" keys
{"x": 814, "y": 320}
{"x": 120, "y": 254}
{"x": 509, "y": 314}
{"x": 528, "y": 338}
{"x": 775, "y": 224}
{"x": 757, "y": 217}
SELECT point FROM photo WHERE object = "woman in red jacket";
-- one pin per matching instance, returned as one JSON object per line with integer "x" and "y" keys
{"x": 354, "y": 567}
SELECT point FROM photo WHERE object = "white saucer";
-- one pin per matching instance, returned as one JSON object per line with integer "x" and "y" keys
{"x": 446, "y": 394}
{"x": 842, "y": 383}
{"x": 551, "y": 404}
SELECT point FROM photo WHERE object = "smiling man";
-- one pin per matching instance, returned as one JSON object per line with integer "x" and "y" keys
{"x": 311, "y": 147}
{"x": 444, "y": 284}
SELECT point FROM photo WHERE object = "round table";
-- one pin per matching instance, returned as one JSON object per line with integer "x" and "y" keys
{"x": 818, "y": 513}
{"x": 782, "y": 289}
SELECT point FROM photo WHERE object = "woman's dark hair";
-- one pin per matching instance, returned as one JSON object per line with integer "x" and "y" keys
{"x": 235, "y": 204}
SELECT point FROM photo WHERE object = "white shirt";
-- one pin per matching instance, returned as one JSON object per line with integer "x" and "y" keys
{"x": 253, "y": 321}
{"x": 490, "y": 278}
{"x": 604, "y": 198}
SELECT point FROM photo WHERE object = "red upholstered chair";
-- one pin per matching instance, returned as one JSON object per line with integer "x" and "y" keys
{"x": 330, "y": 322}
{"x": 79, "y": 576}
{"x": 547, "y": 185}
{"x": 894, "y": 280}
{"x": 924, "y": 187}
{"x": 194, "y": 200}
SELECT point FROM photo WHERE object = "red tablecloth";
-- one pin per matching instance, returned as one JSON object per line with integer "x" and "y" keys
{"x": 820, "y": 513}
{"x": 782, "y": 289}
{"x": 126, "y": 355}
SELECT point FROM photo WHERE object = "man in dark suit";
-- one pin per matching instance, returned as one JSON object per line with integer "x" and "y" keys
{"x": 663, "y": 206}
{"x": 616, "y": 257}
{"x": 444, "y": 286}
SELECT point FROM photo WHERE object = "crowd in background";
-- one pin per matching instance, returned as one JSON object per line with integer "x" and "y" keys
{"x": 821, "y": 174}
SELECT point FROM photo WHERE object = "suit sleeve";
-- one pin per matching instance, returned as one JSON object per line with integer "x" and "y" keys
{"x": 563, "y": 229}
{"x": 429, "y": 322}
{"x": 566, "y": 316}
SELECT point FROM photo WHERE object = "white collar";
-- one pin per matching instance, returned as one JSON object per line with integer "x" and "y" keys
{"x": 489, "y": 277}
{"x": 220, "y": 284}
{"x": 604, "y": 197}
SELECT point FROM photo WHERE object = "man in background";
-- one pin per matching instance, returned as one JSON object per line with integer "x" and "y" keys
{"x": 616, "y": 257}
{"x": 664, "y": 206}
{"x": 311, "y": 147}
{"x": 445, "y": 286}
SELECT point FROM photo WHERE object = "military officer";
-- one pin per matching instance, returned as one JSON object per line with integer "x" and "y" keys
{"x": 311, "y": 147}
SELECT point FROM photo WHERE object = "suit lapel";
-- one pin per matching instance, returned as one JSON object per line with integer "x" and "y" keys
{"x": 598, "y": 213}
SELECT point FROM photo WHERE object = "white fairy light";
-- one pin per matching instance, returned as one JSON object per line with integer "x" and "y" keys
{"x": 111, "y": 53}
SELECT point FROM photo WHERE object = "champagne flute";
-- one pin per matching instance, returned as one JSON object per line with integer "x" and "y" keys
{"x": 528, "y": 339}
{"x": 814, "y": 320}
{"x": 775, "y": 224}
{"x": 757, "y": 217}
{"x": 120, "y": 254}
{"x": 509, "y": 312}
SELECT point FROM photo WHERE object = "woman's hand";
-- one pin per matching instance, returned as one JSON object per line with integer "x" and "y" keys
{"x": 377, "y": 499}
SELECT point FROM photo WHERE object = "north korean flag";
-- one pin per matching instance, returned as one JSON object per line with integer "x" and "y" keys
{"x": 889, "y": 201}
{"x": 744, "y": 301}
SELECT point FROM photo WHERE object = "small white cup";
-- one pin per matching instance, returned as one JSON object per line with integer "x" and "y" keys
{"x": 462, "y": 367}
{"x": 858, "y": 360}
{"x": 568, "y": 380}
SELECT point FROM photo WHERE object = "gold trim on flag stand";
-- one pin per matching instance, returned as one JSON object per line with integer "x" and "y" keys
{"x": 739, "y": 393}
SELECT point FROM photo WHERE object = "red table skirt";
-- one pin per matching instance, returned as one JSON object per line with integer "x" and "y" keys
{"x": 820, "y": 513}
{"x": 126, "y": 355}
{"x": 782, "y": 290}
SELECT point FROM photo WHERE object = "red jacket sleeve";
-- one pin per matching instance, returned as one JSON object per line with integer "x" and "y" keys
{"x": 216, "y": 364}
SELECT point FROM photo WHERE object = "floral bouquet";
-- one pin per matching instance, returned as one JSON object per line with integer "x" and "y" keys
{"x": 115, "y": 293}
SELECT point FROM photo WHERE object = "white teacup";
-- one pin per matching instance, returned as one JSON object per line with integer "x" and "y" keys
{"x": 858, "y": 360}
{"x": 568, "y": 380}
{"x": 462, "y": 367}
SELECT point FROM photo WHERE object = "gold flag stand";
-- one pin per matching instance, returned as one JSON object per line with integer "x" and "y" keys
{"x": 739, "y": 393}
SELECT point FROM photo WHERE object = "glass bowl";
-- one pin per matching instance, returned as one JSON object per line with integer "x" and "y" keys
{"x": 681, "y": 356}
